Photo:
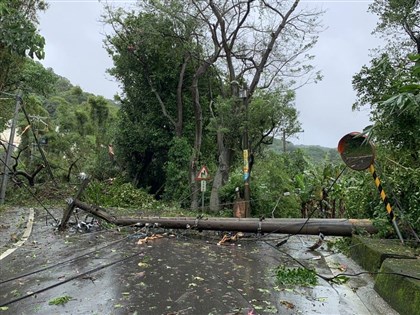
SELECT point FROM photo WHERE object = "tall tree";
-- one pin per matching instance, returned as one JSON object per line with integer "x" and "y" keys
{"x": 261, "y": 45}
{"x": 389, "y": 86}
{"x": 398, "y": 25}
{"x": 152, "y": 57}
{"x": 19, "y": 38}
{"x": 99, "y": 114}
{"x": 390, "y": 72}
{"x": 167, "y": 57}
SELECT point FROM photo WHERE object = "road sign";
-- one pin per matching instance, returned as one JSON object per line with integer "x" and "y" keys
{"x": 203, "y": 186}
{"x": 203, "y": 174}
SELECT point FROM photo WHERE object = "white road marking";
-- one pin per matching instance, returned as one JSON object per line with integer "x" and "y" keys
{"x": 25, "y": 235}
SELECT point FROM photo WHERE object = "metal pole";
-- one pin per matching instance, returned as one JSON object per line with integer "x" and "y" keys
{"x": 9, "y": 151}
{"x": 386, "y": 201}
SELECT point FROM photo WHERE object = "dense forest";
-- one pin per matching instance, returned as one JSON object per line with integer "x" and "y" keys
{"x": 207, "y": 83}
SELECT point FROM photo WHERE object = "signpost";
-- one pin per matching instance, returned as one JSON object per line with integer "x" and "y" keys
{"x": 203, "y": 177}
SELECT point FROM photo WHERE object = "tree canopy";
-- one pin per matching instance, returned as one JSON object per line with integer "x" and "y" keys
{"x": 182, "y": 67}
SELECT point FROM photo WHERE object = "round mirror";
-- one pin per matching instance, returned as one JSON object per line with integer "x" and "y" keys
{"x": 356, "y": 151}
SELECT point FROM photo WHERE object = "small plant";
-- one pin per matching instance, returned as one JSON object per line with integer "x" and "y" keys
{"x": 296, "y": 276}
{"x": 340, "y": 279}
{"x": 61, "y": 300}
{"x": 342, "y": 245}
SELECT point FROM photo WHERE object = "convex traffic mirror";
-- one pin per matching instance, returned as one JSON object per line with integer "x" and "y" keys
{"x": 356, "y": 151}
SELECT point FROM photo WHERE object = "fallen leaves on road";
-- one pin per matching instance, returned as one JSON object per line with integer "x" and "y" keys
{"x": 149, "y": 238}
{"x": 226, "y": 238}
{"x": 61, "y": 300}
{"x": 287, "y": 304}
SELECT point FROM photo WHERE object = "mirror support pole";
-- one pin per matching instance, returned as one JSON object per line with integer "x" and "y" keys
{"x": 385, "y": 199}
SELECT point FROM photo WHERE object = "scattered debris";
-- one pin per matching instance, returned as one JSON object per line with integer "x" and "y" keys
{"x": 226, "y": 238}
{"x": 318, "y": 242}
{"x": 61, "y": 300}
{"x": 287, "y": 304}
{"x": 296, "y": 276}
{"x": 149, "y": 238}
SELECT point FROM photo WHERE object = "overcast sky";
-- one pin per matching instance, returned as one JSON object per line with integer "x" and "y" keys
{"x": 74, "y": 49}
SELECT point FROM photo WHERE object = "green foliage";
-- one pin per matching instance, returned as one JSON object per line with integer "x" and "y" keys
{"x": 272, "y": 112}
{"x": 161, "y": 48}
{"x": 18, "y": 31}
{"x": 340, "y": 279}
{"x": 341, "y": 245}
{"x": 391, "y": 87}
{"x": 177, "y": 170}
{"x": 398, "y": 24}
{"x": 76, "y": 127}
{"x": 61, "y": 300}
{"x": 272, "y": 188}
{"x": 149, "y": 53}
{"x": 35, "y": 79}
{"x": 118, "y": 194}
{"x": 396, "y": 116}
{"x": 296, "y": 276}
{"x": 314, "y": 153}
{"x": 360, "y": 196}
{"x": 375, "y": 83}
{"x": 19, "y": 38}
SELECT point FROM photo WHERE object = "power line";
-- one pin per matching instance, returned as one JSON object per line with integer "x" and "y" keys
{"x": 72, "y": 278}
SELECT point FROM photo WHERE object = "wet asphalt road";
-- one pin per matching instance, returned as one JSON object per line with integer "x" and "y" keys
{"x": 185, "y": 272}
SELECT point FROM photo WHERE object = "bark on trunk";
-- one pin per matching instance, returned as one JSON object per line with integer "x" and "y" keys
{"x": 198, "y": 113}
{"x": 194, "y": 190}
{"x": 222, "y": 173}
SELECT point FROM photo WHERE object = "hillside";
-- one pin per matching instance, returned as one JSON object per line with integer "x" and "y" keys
{"x": 315, "y": 153}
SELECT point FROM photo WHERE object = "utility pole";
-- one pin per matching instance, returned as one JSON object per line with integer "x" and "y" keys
{"x": 9, "y": 151}
{"x": 243, "y": 93}
{"x": 47, "y": 164}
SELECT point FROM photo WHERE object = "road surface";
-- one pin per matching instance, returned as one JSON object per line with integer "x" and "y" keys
{"x": 183, "y": 272}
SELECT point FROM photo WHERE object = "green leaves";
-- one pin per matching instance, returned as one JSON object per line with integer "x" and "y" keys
{"x": 340, "y": 279}
{"x": 61, "y": 300}
{"x": 391, "y": 87}
{"x": 18, "y": 33}
{"x": 296, "y": 276}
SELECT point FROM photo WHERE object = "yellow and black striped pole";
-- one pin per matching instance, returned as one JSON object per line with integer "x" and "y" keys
{"x": 388, "y": 206}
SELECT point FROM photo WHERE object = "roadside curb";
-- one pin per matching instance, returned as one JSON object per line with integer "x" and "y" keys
{"x": 389, "y": 257}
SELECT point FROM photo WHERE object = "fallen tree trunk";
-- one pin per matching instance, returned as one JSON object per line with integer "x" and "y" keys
{"x": 337, "y": 227}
